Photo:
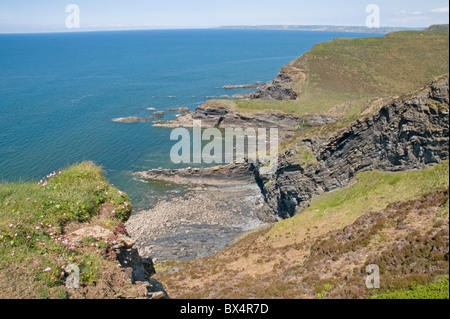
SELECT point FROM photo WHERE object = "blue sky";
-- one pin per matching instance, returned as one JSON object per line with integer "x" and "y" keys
{"x": 50, "y": 15}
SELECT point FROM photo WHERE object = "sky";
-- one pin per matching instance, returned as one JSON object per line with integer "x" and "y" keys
{"x": 50, "y": 15}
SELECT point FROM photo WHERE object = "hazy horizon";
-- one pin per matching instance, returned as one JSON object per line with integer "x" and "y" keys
{"x": 28, "y": 16}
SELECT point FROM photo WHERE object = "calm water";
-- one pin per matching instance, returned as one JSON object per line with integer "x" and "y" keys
{"x": 59, "y": 93}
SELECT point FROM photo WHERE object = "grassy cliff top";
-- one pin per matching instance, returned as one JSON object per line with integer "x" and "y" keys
{"x": 348, "y": 70}
{"x": 34, "y": 222}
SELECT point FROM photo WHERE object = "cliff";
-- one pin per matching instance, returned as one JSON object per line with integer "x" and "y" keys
{"x": 409, "y": 133}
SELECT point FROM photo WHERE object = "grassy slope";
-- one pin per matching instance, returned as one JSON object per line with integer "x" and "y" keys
{"x": 356, "y": 70}
{"x": 373, "y": 191}
{"x": 438, "y": 289}
{"x": 32, "y": 221}
{"x": 265, "y": 263}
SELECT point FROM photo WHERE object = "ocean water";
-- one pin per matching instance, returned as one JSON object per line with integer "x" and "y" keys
{"x": 60, "y": 92}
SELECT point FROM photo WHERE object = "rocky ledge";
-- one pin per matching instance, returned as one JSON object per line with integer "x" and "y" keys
{"x": 410, "y": 132}
{"x": 135, "y": 272}
{"x": 287, "y": 85}
{"x": 243, "y": 86}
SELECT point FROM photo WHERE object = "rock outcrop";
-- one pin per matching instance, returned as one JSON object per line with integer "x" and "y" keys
{"x": 231, "y": 174}
{"x": 409, "y": 133}
{"x": 286, "y": 86}
{"x": 134, "y": 119}
{"x": 223, "y": 114}
{"x": 243, "y": 86}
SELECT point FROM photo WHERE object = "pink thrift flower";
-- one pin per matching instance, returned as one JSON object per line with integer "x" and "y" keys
{"x": 48, "y": 269}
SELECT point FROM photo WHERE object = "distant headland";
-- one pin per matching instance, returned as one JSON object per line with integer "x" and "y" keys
{"x": 326, "y": 28}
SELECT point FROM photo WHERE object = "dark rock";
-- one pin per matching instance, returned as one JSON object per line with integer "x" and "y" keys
{"x": 409, "y": 133}
{"x": 135, "y": 266}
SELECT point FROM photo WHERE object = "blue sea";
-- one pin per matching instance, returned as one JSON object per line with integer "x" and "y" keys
{"x": 59, "y": 93}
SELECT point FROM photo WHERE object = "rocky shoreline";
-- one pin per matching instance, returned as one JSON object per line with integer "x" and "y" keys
{"x": 224, "y": 202}
{"x": 222, "y": 205}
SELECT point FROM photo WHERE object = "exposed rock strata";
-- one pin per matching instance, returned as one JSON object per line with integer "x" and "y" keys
{"x": 408, "y": 133}
{"x": 223, "y": 114}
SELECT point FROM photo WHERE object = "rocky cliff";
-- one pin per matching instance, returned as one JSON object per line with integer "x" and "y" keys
{"x": 286, "y": 85}
{"x": 409, "y": 133}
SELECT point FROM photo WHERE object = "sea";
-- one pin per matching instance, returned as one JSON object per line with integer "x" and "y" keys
{"x": 59, "y": 94}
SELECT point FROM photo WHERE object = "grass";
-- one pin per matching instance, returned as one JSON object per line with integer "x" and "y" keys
{"x": 438, "y": 289}
{"x": 357, "y": 70}
{"x": 372, "y": 191}
{"x": 33, "y": 217}
{"x": 278, "y": 262}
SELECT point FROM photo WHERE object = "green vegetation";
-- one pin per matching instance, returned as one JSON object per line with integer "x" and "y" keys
{"x": 34, "y": 249}
{"x": 438, "y": 289}
{"x": 357, "y": 70}
{"x": 372, "y": 191}
{"x": 438, "y": 27}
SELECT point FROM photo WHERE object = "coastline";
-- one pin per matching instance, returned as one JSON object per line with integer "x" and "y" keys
{"x": 221, "y": 205}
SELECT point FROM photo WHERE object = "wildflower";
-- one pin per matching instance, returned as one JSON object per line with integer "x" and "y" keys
{"x": 28, "y": 199}
{"x": 11, "y": 225}
{"x": 13, "y": 253}
{"x": 48, "y": 269}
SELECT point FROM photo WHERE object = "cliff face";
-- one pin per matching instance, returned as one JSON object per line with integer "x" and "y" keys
{"x": 286, "y": 86}
{"x": 409, "y": 133}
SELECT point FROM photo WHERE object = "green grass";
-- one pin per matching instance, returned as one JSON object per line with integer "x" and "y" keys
{"x": 357, "y": 70}
{"x": 33, "y": 216}
{"x": 373, "y": 191}
{"x": 438, "y": 289}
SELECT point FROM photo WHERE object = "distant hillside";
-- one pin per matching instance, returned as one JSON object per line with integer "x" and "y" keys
{"x": 438, "y": 27}
{"x": 353, "y": 71}
{"x": 323, "y": 28}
